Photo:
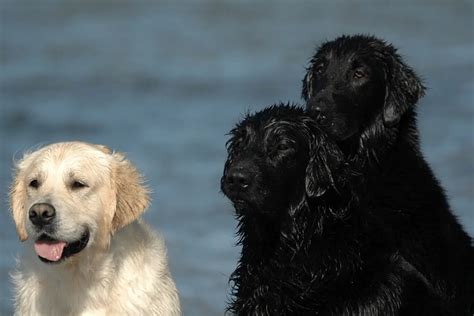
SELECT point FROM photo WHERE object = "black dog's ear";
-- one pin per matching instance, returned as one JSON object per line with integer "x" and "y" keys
{"x": 319, "y": 170}
{"x": 316, "y": 182}
{"x": 403, "y": 89}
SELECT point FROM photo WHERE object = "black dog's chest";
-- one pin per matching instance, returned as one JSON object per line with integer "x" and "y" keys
{"x": 295, "y": 280}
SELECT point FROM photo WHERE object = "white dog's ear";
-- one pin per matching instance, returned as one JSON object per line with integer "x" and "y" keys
{"x": 131, "y": 195}
{"x": 17, "y": 204}
{"x": 102, "y": 148}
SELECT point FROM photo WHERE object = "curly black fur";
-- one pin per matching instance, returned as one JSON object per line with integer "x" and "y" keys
{"x": 364, "y": 95}
{"x": 309, "y": 247}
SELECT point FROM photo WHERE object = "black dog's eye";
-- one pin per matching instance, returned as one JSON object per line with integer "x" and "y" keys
{"x": 283, "y": 147}
{"x": 319, "y": 69}
{"x": 34, "y": 184}
{"x": 78, "y": 185}
{"x": 358, "y": 74}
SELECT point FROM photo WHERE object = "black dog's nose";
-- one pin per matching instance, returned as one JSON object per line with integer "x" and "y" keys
{"x": 41, "y": 214}
{"x": 320, "y": 116}
{"x": 317, "y": 110}
{"x": 238, "y": 178}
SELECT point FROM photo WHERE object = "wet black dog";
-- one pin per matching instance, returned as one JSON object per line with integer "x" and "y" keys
{"x": 364, "y": 95}
{"x": 308, "y": 248}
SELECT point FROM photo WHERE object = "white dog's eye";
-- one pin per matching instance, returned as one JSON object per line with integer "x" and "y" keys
{"x": 78, "y": 185}
{"x": 34, "y": 184}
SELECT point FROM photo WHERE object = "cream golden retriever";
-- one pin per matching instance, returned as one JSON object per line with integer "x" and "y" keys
{"x": 77, "y": 207}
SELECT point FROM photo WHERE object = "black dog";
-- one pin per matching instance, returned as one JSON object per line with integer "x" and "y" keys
{"x": 363, "y": 94}
{"x": 307, "y": 246}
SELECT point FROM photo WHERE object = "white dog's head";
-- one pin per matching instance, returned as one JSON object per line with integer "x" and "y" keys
{"x": 70, "y": 196}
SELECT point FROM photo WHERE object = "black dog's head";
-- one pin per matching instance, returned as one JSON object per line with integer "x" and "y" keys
{"x": 276, "y": 157}
{"x": 354, "y": 81}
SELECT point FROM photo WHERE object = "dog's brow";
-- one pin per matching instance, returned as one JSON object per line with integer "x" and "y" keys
{"x": 277, "y": 128}
{"x": 38, "y": 175}
{"x": 73, "y": 174}
{"x": 279, "y": 124}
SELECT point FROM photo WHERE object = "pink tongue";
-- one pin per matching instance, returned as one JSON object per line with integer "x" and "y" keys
{"x": 52, "y": 252}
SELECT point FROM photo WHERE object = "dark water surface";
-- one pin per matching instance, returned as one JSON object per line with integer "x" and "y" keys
{"x": 165, "y": 81}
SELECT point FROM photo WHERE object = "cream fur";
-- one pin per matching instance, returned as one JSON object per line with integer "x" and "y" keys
{"x": 123, "y": 270}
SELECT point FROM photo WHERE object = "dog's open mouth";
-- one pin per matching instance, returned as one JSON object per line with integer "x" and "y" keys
{"x": 240, "y": 203}
{"x": 51, "y": 250}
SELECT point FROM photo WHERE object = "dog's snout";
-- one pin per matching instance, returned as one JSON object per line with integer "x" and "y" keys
{"x": 321, "y": 106}
{"x": 321, "y": 118}
{"x": 238, "y": 178}
{"x": 319, "y": 113}
{"x": 41, "y": 214}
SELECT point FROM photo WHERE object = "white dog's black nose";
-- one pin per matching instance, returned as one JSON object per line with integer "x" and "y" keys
{"x": 41, "y": 214}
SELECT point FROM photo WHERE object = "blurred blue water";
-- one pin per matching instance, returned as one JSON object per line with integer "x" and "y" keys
{"x": 164, "y": 82}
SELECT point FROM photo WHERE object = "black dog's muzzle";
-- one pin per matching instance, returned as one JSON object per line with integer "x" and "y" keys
{"x": 238, "y": 182}
{"x": 238, "y": 179}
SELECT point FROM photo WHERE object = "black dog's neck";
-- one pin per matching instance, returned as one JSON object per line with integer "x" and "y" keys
{"x": 390, "y": 168}
{"x": 258, "y": 235}
{"x": 306, "y": 249}
{"x": 263, "y": 237}
{"x": 378, "y": 149}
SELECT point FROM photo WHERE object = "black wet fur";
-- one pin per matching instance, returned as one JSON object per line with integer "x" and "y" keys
{"x": 373, "y": 119}
{"x": 310, "y": 246}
